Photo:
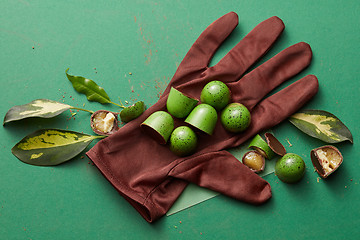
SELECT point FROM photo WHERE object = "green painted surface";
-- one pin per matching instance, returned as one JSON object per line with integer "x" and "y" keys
{"x": 132, "y": 49}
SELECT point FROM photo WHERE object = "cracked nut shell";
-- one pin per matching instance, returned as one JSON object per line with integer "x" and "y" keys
{"x": 326, "y": 160}
{"x": 104, "y": 122}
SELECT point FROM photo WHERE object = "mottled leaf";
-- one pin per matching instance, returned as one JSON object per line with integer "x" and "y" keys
{"x": 88, "y": 87}
{"x": 48, "y": 147}
{"x": 322, "y": 125}
{"x": 44, "y": 108}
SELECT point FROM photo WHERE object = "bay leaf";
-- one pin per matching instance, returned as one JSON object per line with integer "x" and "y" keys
{"x": 92, "y": 91}
{"x": 322, "y": 125}
{"x": 44, "y": 108}
{"x": 49, "y": 147}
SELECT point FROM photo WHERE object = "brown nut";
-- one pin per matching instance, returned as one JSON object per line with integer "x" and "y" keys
{"x": 104, "y": 122}
{"x": 326, "y": 160}
{"x": 254, "y": 160}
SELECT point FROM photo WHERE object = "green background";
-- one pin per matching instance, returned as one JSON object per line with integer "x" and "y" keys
{"x": 107, "y": 40}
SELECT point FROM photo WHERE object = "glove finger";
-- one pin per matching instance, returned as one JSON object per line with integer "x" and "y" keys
{"x": 252, "y": 47}
{"x": 201, "y": 52}
{"x": 251, "y": 88}
{"x": 223, "y": 173}
{"x": 239, "y": 59}
{"x": 265, "y": 115}
{"x": 278, "y": 107}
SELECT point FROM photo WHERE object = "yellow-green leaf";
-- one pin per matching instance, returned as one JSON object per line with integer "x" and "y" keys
{"x": 48, "y": 147}
{"x": 322, "y": 125}
{"x": 44, "y": 108}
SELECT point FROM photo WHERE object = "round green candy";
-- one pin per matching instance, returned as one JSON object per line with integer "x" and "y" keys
{"x": 235, "y": 117}
{"x": 290, "y": 168}
{"x": 216, "y": 94}
{"x": 183, "y": 141}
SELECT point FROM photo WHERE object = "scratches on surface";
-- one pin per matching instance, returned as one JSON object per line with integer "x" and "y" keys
{"x": 147, "y": 42}
{"x": 24, "y": 2}
{"x": 20, "y": 36}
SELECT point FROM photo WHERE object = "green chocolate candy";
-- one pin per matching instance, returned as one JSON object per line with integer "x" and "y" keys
{"x": 216, "y": 94}
{"x": 178, "y": 104}
{"x": 259, "y": 144}
{"x": 183, "y": 141}
{"x": 132, "y": 112}
{"x": 159, "y": 126}
{"x": 235, "y": 117}
{"x": 203, "y": 117}
{"x": 290, "y": 168}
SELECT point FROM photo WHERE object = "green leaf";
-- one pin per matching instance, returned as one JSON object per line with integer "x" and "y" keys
{"x": 88, "y": 87}
{"x": 49, "y": 147}
{"x": 322, "y": 125}
{"x": 44, "y": 108}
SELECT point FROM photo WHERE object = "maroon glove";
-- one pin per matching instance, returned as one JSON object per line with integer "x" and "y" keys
{"x": 151, "y": 177}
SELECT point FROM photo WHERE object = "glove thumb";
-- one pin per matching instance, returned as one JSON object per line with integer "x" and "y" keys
{"x": 222, "y": 172}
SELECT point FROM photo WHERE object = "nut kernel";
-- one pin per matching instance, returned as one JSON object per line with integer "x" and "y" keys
{"x": 254, "y": 160}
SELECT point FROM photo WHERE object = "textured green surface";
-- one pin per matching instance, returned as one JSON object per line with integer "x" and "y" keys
{"x": 132, "y": 49}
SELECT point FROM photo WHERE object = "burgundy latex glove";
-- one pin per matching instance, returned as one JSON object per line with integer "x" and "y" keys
{"x": 150, "y": 177}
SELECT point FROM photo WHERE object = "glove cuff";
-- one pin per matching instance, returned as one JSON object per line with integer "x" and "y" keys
{"x": 150, "y": 204}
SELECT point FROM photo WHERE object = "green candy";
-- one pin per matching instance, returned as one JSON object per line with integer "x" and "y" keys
{"x": 290, "y": 168}
{"x": 132, "y": 112}
{"x": 183, "y": 141}
{"x": 178, "y": 104}
{"x": 259, "y": 144}
{"x": 203, "y": 117}
{"x": 235, "y": 117}
{"x": 159, "y": 126}
{"x": 216, "y": 94}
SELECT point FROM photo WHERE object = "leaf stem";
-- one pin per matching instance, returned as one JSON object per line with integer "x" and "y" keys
{"x": 120, "y": 105}
{"x": 83, "y": 109}
{"x": 100, "y": 136}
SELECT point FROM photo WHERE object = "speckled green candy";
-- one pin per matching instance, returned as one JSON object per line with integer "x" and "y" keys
{"x": 159, "y": 126}
{"x": 178, "y": 104}
{"x": 216, "y": 94}
{"x": 235, "y": 117}
{"x": 259, "y": 144}
{"x": 290, "y": 168}
{"x": 203, "y": 117}
{"x": 132, "y": 112}
{"x": 183, "y": 141}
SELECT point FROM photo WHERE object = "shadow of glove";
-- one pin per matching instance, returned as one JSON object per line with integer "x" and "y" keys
{"x": 150, "y": 177}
